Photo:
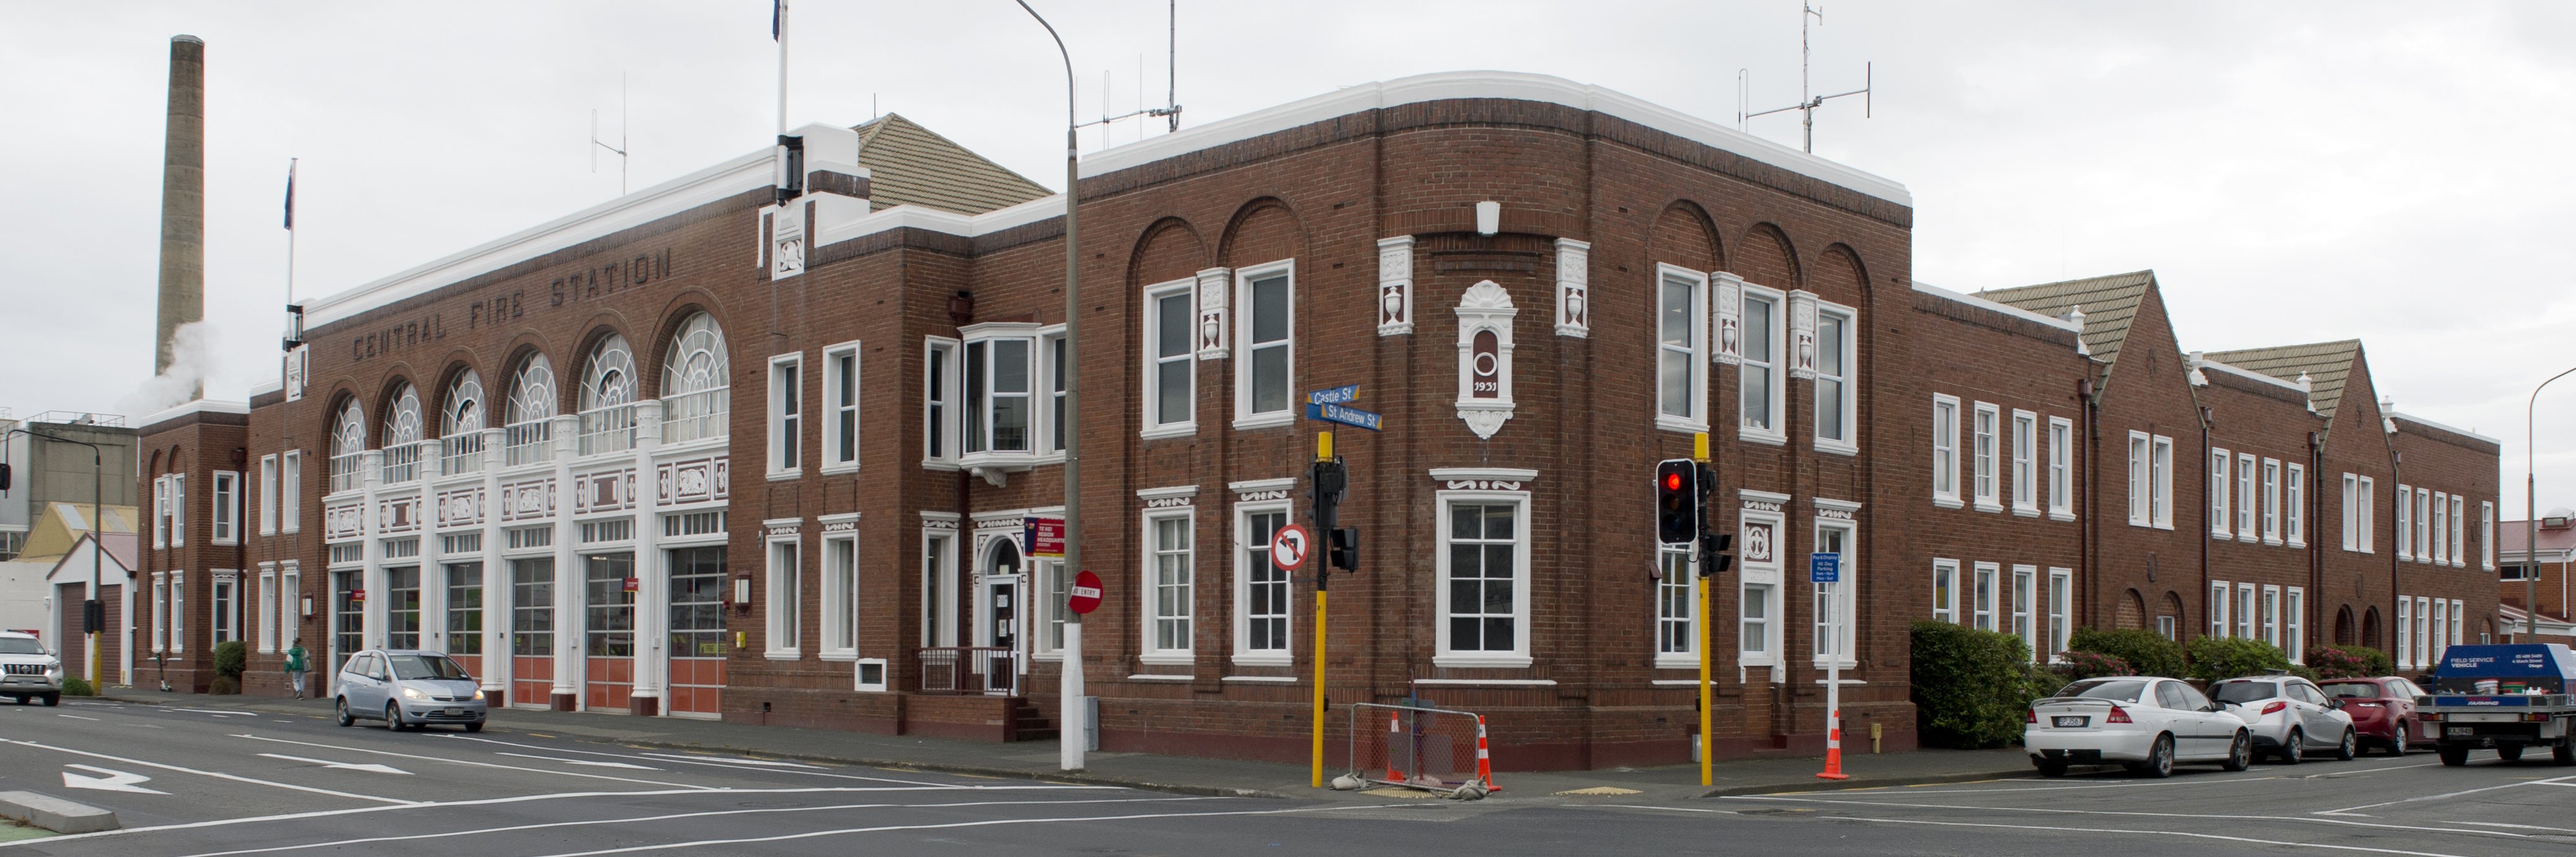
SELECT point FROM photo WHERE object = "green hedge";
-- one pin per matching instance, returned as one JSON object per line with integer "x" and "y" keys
{"x": 2217, "y": 658}
{"x": 228, "y": 659}
{"x": 2350, "y": 662}
{"x": 2146, "y": 652}
{"x": 77, "y": 686}
{"x": 1973, "y": 688}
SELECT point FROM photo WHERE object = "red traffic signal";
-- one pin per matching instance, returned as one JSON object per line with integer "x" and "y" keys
{"x": 1677, "y": 502}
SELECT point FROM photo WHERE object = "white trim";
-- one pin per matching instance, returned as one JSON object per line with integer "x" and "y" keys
{"x": 775, "y": 420}
{"x": 833, "y": 596}
{"x": 1244, "y": 416}
{"x": 2026, "y": 466}
{"x": 1508, "y": 474}
{"x": 1956, "y": 577}
{"x": 950, "y": 434}
{"x": 1695, "y": 392}
{"x": 1150, "y": 650}
{"x": 1985, "y": 464}
{"x": 1760, "y": 496}
{"x": 1242, "y": 553}
{"x": 1991, "y": 306}
{"x": 1849, "y": 443}
{"x": 826, "y": 461}
{"x": 2395, "y": 415}
{"x": 2206, "y": 364}
{"x": 795, "y": 592}
{"x": 199, "y": 406}
{"x": 1172, "y": 492}
{"x": 1947, "y": 499}
{"x": 1268, "y": 484}
{"x": 2061, "y": 462}
{"x": 1487, "y": 682}
{"x": 1265, "y": 679}
{"x": 1159, "y": 677}
{"x": 1776, "y": 363}
{"x": 1154, "y": 424}
{"x": 1518, "y": 655}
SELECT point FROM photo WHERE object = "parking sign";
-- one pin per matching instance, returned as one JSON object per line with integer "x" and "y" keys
{"x": 1824, "y": 568}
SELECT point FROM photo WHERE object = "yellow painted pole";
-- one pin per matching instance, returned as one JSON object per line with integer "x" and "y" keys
{"x": 1315, "y": 771}
{"x": 1707, "y": 746}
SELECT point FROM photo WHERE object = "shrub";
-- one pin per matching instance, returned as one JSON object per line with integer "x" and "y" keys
{"x": 2083, "y": 665}
{"x": 228, "y": 660}
{"x": 1971, "y": 687}
{"x": 77, "y": 686}
{"x": 2146, "y": 652}
{"x": 2351, "y": 661}
{"x": 2216, "y": 658}
{"x": 223, "y": 685}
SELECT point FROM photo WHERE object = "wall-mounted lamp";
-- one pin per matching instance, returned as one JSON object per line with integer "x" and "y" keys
{"x": 742, "y": 592}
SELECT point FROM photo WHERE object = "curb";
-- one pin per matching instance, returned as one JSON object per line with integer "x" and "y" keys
{"x": 1075, "y": 777}
{"x": 1862, "y": 783}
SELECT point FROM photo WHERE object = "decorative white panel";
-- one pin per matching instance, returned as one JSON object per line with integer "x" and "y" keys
{"x": 398, "y": 514}
{"x": 531, "y": 500}
{"x": 1216, "y": 287}
{"x": 608, "y": 491}
{"x": 462, "y": 507}
{"x": 1802, "y": 334}
{"x": 1729, "y": 303}
{"x": 787, "y": 241}
{"x": 1573, "y": 287}
{"x": 696, "y": 480}
{"x": 341, "y": 522}
{"x": 1395, "y": 285}
{"x": 1485, "y": 358}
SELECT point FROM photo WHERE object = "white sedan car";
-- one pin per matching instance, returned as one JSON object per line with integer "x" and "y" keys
{"x": 2144, "y": 722}
{"x": 2289, "y": 716}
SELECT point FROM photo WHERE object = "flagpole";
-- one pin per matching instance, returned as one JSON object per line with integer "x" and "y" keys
{"x": 782, "y": 73}
{"x": 286, "y": 423}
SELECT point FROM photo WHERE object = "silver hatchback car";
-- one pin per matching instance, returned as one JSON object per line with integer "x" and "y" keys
{"x": 407, "y": 688}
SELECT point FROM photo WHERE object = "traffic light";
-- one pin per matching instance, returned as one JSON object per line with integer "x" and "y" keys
{"x": 1330, "y": 480}
{"x": 1717, "y": 554}
{"x": 1677, "y": 501}
{"x": 1345, "y": 553}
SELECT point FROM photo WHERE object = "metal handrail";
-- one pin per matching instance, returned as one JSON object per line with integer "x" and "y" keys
{"x": 987, "y": 670}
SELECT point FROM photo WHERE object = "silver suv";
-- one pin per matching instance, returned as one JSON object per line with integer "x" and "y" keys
{"x": 27, "y": 671}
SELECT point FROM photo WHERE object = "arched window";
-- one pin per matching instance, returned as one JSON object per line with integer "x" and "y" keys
{"x": 695, "y": 376}
{"x": 608, "y": 398}
{"x": 401, "y": 437}
{"x": 348, "y": 441}
{"x": 460, "y": 425}
{"x": 527, "y": 436}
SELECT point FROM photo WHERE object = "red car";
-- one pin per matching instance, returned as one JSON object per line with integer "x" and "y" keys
{"x": 2382, "y": 709}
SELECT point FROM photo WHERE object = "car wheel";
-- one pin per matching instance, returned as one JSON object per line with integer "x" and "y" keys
{"x": 340, "y": 706}
{"x": 2565, "y": 752}
{"x": 2294, "y": 748}
{"x": 2160, "y": 759}
{"x": 52, "y": 699}
{"x": 393, "y": 717}
{"x": 2397, "y": 743}
{"x": 2509, "y": 752}
{"x": 476, "y": 726}
{"x": 2240, "y": 753}
{"x": 2050, "y": 767}
{"x": 2351, "y": 747}
{"x": 2453, "y": 755}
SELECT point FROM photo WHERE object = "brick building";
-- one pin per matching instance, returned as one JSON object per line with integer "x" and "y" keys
{"x": 523, "y": 454}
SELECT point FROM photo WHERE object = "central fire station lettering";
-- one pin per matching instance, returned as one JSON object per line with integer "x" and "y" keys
{"x": 497, "y": 307}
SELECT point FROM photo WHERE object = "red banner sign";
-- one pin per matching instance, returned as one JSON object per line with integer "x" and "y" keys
{"x": 1044, "y": 536}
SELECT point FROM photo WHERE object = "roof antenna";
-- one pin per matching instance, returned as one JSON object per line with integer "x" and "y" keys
{"x": 620, "y": 148}
{"x": 1808, "y": 103}
{"x": 1171, "y": 74}
{"x": 1743, "y": 89}
{"x": 1172, "y": 108}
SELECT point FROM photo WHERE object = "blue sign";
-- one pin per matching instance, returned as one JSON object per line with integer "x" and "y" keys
{"x": 1331, "y": 413}
{"x": 1341, "y": 395}
{"x": 1824, "y": 568}
{"x": 2510, "y": 660}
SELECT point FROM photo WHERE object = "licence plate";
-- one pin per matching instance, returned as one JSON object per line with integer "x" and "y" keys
{"x": 454, "y": 712}
{"x": 2071, "y": 722}
{"x": 2461, "y": 731}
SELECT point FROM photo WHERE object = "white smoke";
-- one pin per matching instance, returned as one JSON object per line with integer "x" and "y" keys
{"x": 192, "y": 357}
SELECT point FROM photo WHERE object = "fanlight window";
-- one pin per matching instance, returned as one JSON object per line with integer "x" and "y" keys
{"x": 528, "y": 436}
{"x": 348, "y": 442}
{"x": 460, "y": 426}
{"x": 402, "y": 437}
{"x": 608, "y": 398}
{"x": 695, "y": 397}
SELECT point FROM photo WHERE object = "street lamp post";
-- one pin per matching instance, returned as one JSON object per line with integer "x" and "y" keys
{"x": 1071, "y": 741}
{"x": 2530, "y": 517}
{"x": 97, "y": 532}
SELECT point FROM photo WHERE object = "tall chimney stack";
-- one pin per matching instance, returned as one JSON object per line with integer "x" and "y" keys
{"x": 183, "y": 203}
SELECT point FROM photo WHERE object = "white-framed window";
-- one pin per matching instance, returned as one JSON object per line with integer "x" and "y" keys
{"x": 460, "y": 425}
{"x": 2294, "y": 510}
{"x": 1262, "y": 590}
{"x": 2440, "y": 636}
{"x": 1945, "y": 590}
{"x": 1681, "y": 349}
{"x": 1265, "y": 344}
{"x": 161, "y": 511}
{"x": 2441, "y": 527}
{"x": 1170, "y": 586}
{"x": 1048, "y": 574}
{"x": 2061, "y": 468}
{"x": 2025, "y": 462}
{"x": 2369, "y": 507}
{"x": 2219, "y": 597}
{"x": 160, "y": 612}
{"x": 840, "y": 596}
{"x": 290, "y": 491}
{"x": 607, "y": 399}
{"x": 2219, "y": 487}
{"x": 2271, "y": 501}
{"x": 786, "y": 414}
{"x": 2405, "y": 632}
{"x": 2245, "y": 617}
{"x": 2459, "y": 526}
{"x": 2294, "y": 610}
{"x": 2405, "y": 522}
{"x": 939, "y": 557}
{"x": 267, "y": 610}
{"x": 1052, "y": 377}
{"x": 1754, "y": 625}
{"x": 527, "y": 435}
{"x": 2459, "y": 620}
{"x": 841, "y": 407}
{"x": 2246, "y": 499}
{"x": 1945, "y": 450}
{"x": 267, "y": 494}
{"x": 224, "y": 619}
{"x": 2141, "y": 507}
{"x": 1484, "y": 579}
{"x": 1837, "y": 381}
{"x": 1171, "y": 362}
{"x": 1984, "y": 449}
{"x": 1761, "y": 394}
{"x": 2025, "y": 598}
{"x": 2423, "y": 525}
{"x": 2160, "y": 468}
{"x": 1760, "y": 542}
{"x": 2061, "y": 611}
{"x": 178, "y": 509}
{"x": 2351, "y": 512}
{"x": 1982, "y": 609}
{"x": 2486, "y": 535}
{"x": 786, "y": 599}
{"x": 227, "y": 512}
{"x": 2272, "y": 615}
{"x": 2165, "y": 627}
{"x": 1676, "y": 608}
{"x": 939, "y": 400}
{"x": 290, "y": 597}
{"x": 1834, "y": 607}
{"x": 178, "y": 611}
{"x": 401, "y": 437}
{"x": 1000, "y": 374}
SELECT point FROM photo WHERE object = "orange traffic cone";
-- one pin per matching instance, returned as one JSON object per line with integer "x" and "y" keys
{"x": 1484, "y": 759}
{"x": 1394, "y": 727}
{"x": 1834, "y": 750}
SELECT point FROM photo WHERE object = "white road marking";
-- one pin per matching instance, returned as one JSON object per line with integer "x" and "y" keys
{"x": 2185, "y": 834}
{"x": 444, "y": 834}
{"x": 736, "y": 760}
{"x": 2516, "y": 826}
{"x": 116, "y": 781}
{"x": 216, "y": 774}
{"x": 353, "y": 766}
{"x": 624, "y": 795}
{"x": 2420, "y": 798}
{"x": 672, "y": 846}
{"x": 78, "y": 717}
{"x": 476, "y": 764}
{"x": 1665, "y": 808}
{"x": 712, "y": 764}
{"x": 2131, "y": 814}
{"x": 579, "y": 761}
{"x": 215, "y": 712}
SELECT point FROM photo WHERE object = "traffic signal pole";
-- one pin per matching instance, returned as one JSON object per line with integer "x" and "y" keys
{"x": 1323, "y": 573}
{"x": 1707, "y": 696}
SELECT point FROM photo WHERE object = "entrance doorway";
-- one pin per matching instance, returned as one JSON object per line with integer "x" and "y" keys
{"x": 1001, "y": 653}
{"x": 697, "y": 631}
{"x": 608, "y": 631}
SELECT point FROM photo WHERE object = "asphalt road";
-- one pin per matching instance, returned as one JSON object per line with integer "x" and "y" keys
{"x": 222, "y": 781}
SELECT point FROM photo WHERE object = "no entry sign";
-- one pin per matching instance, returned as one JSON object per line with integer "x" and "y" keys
{"x": 1085, "y": 596}
{"x": 1291, "y": 546}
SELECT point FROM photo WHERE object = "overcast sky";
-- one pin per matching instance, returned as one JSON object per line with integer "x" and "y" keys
{"x": 2294, "y": 172}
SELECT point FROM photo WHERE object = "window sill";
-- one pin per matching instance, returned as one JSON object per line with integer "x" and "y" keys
{"x": 2025, "y": 512}
{"x": 1159, "y": 677}
{"x": 2302, "y": 544}
{"x": 1168, "y": 659}
{"x": 850, "y": 655}
{"x": 1487, "y": 682}
{"x": 1169, "y": 431}
{"x": 1947, "y": 502}
{"x": 829, "y": 469}
{"x": 1264, "y": 659}
{"x": 783, "y": 655}
{"x": 2166, "y": 526}
{"x": 943, "y": 464}
{"x": 1677, "y": 660}
{"x": 2060, "y": 515}
{"x": 786, "y": 475}
{"x": 1836, "y": 447}
{"x": 2272, "y": 542}
{"x": 1668, "y": 422}
{"x": 1989, "y": 506}
{"x": 1007, "y": 462}
{"x": 1480, "y": 660}
{"x": 1765, "y": 438}
{"x": 1269, "y": 420}
{"x": 1746, "y": 661}
{"x": 1262, "y": 679}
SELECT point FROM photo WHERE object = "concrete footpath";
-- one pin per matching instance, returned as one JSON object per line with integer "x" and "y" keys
{"x": 1177, "y": 774}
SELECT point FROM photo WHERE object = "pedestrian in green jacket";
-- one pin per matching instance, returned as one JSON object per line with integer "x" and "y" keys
{"x": 296, "y": 668}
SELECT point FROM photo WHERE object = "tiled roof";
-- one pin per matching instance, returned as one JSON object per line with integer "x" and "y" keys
{"x": 910, "y": 165}
{"x": 2328, "y": 366}
{"x": 2109, "y": 303}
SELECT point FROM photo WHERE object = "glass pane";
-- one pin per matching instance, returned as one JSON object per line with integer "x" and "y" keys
{"x": 1498, "y": 595}
{"x": 1498, "y": 562}
{"x": 1829, "y": 408}
{"x": 1172, "y": 325}
{"x": 1010, "y": 366}
{"x": 1270, "y": 309}
{"x": 1676, "y": 315}
{"x": 1172, "y": 391}
{"x": 1498, "y": 635}
{"x": 1011, "y": 423}
{"x": 1270, "y": 379}
{"x": 1463, "y": 563}
{"x": 1673, "y": 376}
{"x": 1498, "y": 521}
{"x": 1757, "y": 330}
{"x": 1757, "y": 396}
{"x": 1462, "y": 522}
{"x": 1829, "y": 345}
{"x": 1463, "y": 636}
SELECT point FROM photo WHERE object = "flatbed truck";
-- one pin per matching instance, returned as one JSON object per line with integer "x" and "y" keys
{"x": 2509, "y": 698}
